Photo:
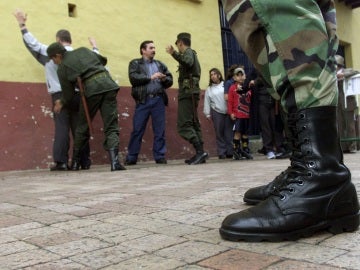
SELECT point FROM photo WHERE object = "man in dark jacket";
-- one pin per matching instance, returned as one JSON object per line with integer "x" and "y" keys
{"x": 100, "y": 94}
{"x": 149, "y": 79}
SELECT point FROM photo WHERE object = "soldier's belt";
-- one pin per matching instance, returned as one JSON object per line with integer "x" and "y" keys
{"x": 96, "y": 76}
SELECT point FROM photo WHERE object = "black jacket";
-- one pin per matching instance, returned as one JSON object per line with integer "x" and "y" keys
{"x": 139, "y": 78}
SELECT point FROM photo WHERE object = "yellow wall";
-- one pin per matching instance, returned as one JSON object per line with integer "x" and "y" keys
{"x": 348, "y": 22}
{"x": 119, "y": 27}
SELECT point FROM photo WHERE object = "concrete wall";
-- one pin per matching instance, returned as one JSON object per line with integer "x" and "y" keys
{"x": 348, "y": 22}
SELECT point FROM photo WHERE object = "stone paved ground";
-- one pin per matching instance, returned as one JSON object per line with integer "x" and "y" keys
{"x": 151, "y": 217}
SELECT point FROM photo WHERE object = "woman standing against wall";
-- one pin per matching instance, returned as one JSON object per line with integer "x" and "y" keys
{"x": 215, "y": 109}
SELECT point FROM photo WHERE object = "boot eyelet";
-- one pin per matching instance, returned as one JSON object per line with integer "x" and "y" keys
{"x": 312, "y": 164}
{"x": 292, "y": 190}
{"x": 303, "y": 127}
{"x": 282, "y": 197}
{"x": 309, "y": 174}
{"x": 300, "y": 183}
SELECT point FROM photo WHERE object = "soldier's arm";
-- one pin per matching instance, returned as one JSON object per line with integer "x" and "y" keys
{"x": 67, "y": 87}
{"x": 185, "y": 59}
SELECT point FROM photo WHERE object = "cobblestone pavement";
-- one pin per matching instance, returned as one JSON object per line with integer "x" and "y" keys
{"x": 151, "y": 217}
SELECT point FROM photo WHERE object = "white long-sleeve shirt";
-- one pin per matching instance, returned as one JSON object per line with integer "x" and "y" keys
{"x": 214, "y": 99}
{"x": 38, "y": 50}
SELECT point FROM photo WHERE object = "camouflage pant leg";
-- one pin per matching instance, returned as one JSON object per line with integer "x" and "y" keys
{"x": 292, "y": 44}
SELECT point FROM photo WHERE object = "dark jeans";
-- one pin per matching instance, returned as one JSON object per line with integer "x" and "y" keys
{"x": 66, "y": 121}
{"x": 154, "y": 107}
{"x": 272, "y": 138}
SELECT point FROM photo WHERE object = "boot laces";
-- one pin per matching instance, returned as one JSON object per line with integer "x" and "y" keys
{"x": 297, "y": 169}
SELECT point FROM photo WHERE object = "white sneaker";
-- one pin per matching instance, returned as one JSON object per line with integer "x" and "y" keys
{"x": 270, "y": 155}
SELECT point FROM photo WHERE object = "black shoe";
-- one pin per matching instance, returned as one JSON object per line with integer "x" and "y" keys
{"x": 75, "y": 165}
{"x": 117, "y": 167}
{"x": 130, "y": 162}
{"x": 200, "y": 158}
{"x": 190, "y": 160}
{"x": 229, "y": 156}
{"x": 262, "y": 151}
{"x": 85, "y": 165}
{"x": 161, "y": 161}
{"x": 60, "y": 166}
{"x": 222, "y": 157}
{"x": 237, "y": 156}
{"x": 246, "y": 153}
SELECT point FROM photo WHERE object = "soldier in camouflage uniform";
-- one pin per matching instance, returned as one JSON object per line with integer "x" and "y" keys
{"x": 292, "y": 44}
{"x": 100, "y": 93}
{"x": 188, "y": 124}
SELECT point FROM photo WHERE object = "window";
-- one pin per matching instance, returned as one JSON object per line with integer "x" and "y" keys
{"x": 72, "y": 10}
{"x": 232, "y": 52}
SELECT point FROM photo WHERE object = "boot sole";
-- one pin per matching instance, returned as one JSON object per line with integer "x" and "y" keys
{"x": 343, "y": 224}
{"x": 251, "y": 202}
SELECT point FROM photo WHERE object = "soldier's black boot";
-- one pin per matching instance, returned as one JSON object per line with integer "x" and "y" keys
{"x": 114, "y": 160}
{"x": 75, "y": 161}
{"x": 261, "y": 193}
{"x": 317, "y": 193}
{"x": 200, "y": 156}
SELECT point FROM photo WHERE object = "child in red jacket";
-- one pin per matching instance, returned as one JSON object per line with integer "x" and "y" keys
{"x": 239, "y": 111}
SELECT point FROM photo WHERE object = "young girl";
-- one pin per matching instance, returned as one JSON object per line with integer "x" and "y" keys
{"x": 239, "y": 110}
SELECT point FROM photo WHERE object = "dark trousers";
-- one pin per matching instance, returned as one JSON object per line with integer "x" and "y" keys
{"x": 106, "y": 103}
{"x": 229, "y": 134}
{"x": 223, "y": 142}
{"x": 66, "y": 122}
{"x": 188, "y": 125}
{"x": 154, "y": 107}
{"x": 271, "y": 137}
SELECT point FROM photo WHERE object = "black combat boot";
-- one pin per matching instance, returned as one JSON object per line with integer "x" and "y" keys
{"x": 114, "y": 159}
{"x": 316, "y": 194}
{"x": 200, "y": 156}
{"x": 261, "y": 193}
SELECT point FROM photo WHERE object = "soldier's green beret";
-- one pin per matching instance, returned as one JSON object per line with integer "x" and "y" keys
{"x": 183, "y": 36}
{"x": 55, "y": 48}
